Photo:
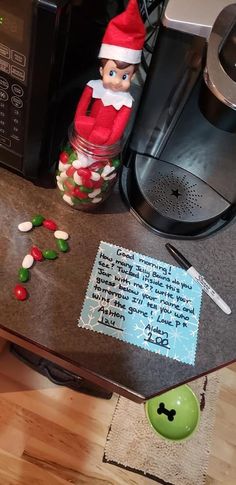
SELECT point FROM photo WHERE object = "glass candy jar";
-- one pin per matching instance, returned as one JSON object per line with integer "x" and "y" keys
{"x": 87, "y": 172}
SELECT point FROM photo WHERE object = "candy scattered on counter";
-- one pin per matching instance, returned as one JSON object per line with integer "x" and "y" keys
{"x": 20, "y": 292}
{"x": 49, "y": 224}
{"x": 25, "y": 226}
{"x": 28, "y": 261}
{"x": 62, "y": 245}
{"x": 61, "y": 235}
{"x": 36, "y": 254}
{"x": 37, "y": 220}
{"x": 23, "y": 275}
{"x": 49, "y": 254}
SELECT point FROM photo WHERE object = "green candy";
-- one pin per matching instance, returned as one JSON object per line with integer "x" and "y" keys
{"x": 72, "y": 157}
{"x": 49, "y": 254}
{"x": 37, "y": 220}
{"x": 23, "y": 274}
{"x": 68, "y": 149}
{"x": 85, "y": 189}
{"x": 116, "y": 162}
{"x": 62, "y": 245}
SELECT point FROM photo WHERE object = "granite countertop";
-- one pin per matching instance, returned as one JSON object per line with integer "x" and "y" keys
{"x": 48, "y": 319}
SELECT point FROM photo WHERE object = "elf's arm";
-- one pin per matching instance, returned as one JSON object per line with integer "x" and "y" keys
{"x": 84, "y": 102}
{"x": 119, "y": 124}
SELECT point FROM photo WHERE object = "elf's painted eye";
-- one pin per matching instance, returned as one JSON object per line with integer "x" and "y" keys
{"x": 125, "y": 77}
{"x": 112, "y": 73}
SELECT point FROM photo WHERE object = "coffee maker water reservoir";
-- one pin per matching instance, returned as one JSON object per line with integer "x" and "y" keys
{"x": 180, "y": 163}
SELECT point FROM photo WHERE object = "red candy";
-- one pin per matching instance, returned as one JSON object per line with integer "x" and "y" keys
{"x": 98, "y": 183}
{"x": 98, "y": 165}
{"x": 88, "y": 183}
{"x": 20, "y": 292}
{"x": 70, "y": 171}
{"x": 49, "y": 224}
{"x": 64, "y": 157}
{"x": 36, "y": 253}
{"x": 80, "y": 195}
{"x": 85, "y": 173}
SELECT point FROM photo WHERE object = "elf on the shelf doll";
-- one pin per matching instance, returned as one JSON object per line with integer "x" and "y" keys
{"x": 105, "y": 105}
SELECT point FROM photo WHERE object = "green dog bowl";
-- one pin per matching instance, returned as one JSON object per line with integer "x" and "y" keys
{"x": 175, "y": 414}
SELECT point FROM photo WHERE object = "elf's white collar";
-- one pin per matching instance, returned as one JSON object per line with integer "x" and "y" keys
{"x": 110, "y": 98}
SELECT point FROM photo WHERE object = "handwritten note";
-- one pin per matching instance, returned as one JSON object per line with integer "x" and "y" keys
{"x": 143, "y": 301}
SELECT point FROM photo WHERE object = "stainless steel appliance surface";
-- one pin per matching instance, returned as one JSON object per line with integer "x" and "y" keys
{"x": 180, "y": 171}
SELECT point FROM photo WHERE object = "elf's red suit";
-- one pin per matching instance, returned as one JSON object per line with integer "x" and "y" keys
{"x": 109, "y": 113}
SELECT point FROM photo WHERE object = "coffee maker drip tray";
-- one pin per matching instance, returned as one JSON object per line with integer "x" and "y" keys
{"x": 169, "y": 199}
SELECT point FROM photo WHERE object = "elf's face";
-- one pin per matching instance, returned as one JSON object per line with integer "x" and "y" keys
{"x": 116, "y": 79}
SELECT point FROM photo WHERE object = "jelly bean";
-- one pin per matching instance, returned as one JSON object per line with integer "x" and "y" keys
{"x": 28, "y": 261}
{"x": 20, "y": 292}
{"x": 116, "y": 163}
{"x": 107, "y": 170}
{"x": 87, "y": 183}
{"x": 68, "y": 199}
{"x": 60, "y": 186}
{"x": 49, "y": 224}
{"x": 110, "y": 177}
{"x": 61, "y": 235}
{"x": 70, "y": 171}
{"x": 77, "y": 193}
{"x": 63, "y": 166}
{"x": 94, "y": 193}
{"x": 68, "y": 185}
{"x": 68, "y": 149}
{"x": 63, "y": 176}
{"x": 96, "y": 200}
{"x": 97, "y": 165}
{"x": 78, "y": 180}
{"x": 83, "y": 188}
{"x": 62, "y": 245}
{"x": 97, "y": 183}
{"x": 49, "y": 254}
{"x": 37, "y": 220}
{"x": 64, "y": 157}
{"x": 95, "y": 176}
{"x": 36, "y": 253}
{"x": 85, "y": 173}
{"x": 25, "y": 226}
{"x": 72, "y": 157}
{"x": 23, "y": 275}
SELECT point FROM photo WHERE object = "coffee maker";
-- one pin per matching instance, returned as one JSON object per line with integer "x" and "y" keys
{"x": 179, "y": 175}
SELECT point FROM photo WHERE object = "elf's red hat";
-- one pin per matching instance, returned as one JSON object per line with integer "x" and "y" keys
{"x": 124, "y": 36}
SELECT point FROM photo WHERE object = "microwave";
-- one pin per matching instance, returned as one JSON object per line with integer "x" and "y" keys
{"x": 48, "y": 52}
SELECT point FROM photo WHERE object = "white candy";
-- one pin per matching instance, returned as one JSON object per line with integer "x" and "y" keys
{"x": 63, "y": 166}
{"x": 81, "y": 162}
{"x": 95, "y": 176}
{"x": 61, "y": 235}
{"x": 25, "y": 226}
{"x": 62, "y": 176}
{"x": 107, "y": 170}
{"x": 60, "y": 186}
{"x": 94, "y": 193}
{"x": 110, "y": 177}
{"x": 68, "y": 199}
{"x": 27, "y": 261}
{"x": 78, "y": 180}
{"x": 96, "y": 200}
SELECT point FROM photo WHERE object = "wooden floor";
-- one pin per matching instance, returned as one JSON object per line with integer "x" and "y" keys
{"x": 51, "y": 435}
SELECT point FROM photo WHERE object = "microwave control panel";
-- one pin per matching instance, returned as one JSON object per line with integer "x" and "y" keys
{"x": 15, "y": 27}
